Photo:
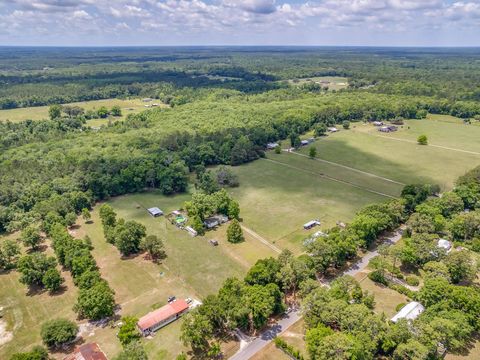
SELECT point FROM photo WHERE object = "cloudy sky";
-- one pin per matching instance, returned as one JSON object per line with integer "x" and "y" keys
{"x": 240, "y": 22}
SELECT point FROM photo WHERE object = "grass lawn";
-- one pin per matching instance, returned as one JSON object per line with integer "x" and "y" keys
{"x": 397, "y": 156}
{"x": 276, "y": 200}
{"x": 386, "y": 300}
{"x": 130, "y": 106}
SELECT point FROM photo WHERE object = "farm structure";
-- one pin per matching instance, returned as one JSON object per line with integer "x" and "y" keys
{"x": 377, "y": 123}
{"x": 87, "y": 352}
{"x": 215, "y": 221}
{"x": 332, "y": 129}
{"x": 388, "y": 128}
{"x": 410, "y": 311}
{"x": 163, "y": 316}
{"x": 155, "y": 211}
{"x": 307, "y": 141}
{"x": 311, "y": 224}
{"x": 271, "y": 146}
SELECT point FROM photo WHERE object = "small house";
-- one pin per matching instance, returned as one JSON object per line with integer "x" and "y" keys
{"x": 410, "y": 311}
{"x": 444, "y": 244}
{"x": 271, "y": 146}
{"x": 89, "y": 351}
{"x": 211, "y": 222}
{"x": 332, "y": 129}
{"x": 311, "y": 224}
{"x": 191, "y": 231}
{"x": 304, "y": 142}
{"x": 159, "y": 318}
{"x": 155, "y": 211}
{"x": 378, "y": 123}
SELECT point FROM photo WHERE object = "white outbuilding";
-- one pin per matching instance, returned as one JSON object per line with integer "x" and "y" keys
{"x": 410, "y": 311}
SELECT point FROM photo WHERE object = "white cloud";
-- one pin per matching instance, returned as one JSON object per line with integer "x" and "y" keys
{"x": 223, "y": 19}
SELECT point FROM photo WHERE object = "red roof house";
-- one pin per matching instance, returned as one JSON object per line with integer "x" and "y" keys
{"x": 87, "y": 352}
{"x": 162, "y": 316}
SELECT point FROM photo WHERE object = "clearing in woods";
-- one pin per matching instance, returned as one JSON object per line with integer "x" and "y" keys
{"x": 128, "y": 106}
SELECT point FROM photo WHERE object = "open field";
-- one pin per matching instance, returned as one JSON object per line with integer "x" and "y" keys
{"x": 130, "y": 106}
{"x": 276, "y": 200}
{"x": 397, "y": 156}
{"x": 193, "y": 269}
{"x": 333, "y": 82}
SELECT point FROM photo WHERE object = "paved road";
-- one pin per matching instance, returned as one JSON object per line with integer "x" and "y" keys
{"x": 249, "y": 350}
{"x": 267, "y": 336}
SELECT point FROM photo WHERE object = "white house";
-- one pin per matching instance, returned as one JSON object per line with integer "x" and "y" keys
{"x": 410, "y": 311}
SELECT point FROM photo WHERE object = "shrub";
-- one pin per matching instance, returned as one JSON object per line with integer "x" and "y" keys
{"x": 288, "y": 349}
{"x": 37, "y": 353}
{"x": 402, "y": 290}
{"x": 378, "y": 277}
{"x": 399, "y": 307}
{"x": 422, "y": 140}
{"x": 412, "y": 280}
{"x": 57, "y": 332}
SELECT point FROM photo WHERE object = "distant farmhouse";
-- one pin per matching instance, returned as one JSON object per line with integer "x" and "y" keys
{"x": 388, "y": 128}
{"x": 163, "y": 316}
{"x": 271, "y": 146}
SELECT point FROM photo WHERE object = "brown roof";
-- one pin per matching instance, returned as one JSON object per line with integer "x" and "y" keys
{"x": 87, "y": 352}
{"x": 162, "y": 314}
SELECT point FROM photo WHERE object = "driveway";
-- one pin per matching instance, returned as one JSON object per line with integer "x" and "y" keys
{"x": 253, "y": 347}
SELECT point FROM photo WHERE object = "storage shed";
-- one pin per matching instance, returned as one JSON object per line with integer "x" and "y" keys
{"x": 155, "y": 211}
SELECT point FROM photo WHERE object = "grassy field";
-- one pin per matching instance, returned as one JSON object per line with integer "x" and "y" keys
{"x": 333, "y": 82}
{"x": 130, "y": 106}
{"x": 276, "y": 200}
{"x": 453, "y": 150}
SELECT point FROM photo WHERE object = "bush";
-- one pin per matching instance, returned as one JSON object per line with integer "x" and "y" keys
{"x": 422, "y": 140}
{"x": 58, "y": 332}
{"x": 399, "y": 307}
{"x": 378, "y": 277}
{"x": 37, "y": 353}
{"x": 288, "y": 349}
{"x": 412, "y": 280}
{"x": 402, "y": 290}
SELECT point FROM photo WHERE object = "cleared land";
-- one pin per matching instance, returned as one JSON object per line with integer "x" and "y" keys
{"x": 130, "y": 106}
{"x": 398, "y": 157}
{"x": 333, "y": 82}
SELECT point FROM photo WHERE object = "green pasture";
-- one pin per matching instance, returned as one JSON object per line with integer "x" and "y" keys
{"x": 129, "y": 106}
{"x": 398, "y": 157}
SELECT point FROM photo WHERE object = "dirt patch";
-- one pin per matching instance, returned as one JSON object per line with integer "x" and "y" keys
{"x": 5, "y": 336}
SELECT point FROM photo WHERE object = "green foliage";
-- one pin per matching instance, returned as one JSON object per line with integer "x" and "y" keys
{"x": 461, "y": 266}
{"x": 288, "y": 349}
{"x": 294, "y": 140}
{"x": 128, "y": 331}
{"x": 37, "y": 353}
{"x": 116, "y": 111}
{"x": 412, "y": 280}
{"x": 226, "y": 177}
{"x": 102, "y": 112}
{"x": 320, "y": 129}
{"x": 58, "y": 332}
{"x": 312, "y": 152}
{"x": 86, "y": 215}
{"x": 95, "y": 303}
{"x": 107, "y": 215}
{"x": 346, "y": 124}
{"x": 133, "y": 351}
{"x": 422, "y": 140}
{"x": 52, "y": 280}
{"x": 154, "y": 246}
{"x": 128, "y": 236}
{"x": 31, "y": 237}
{"x": 33, "y": 268}
{"x": 9, "y": 252}
{"x": 55, "y": 111}
{"x": 234, "y": 232}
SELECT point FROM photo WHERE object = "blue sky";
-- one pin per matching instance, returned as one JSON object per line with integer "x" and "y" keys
{"x": 240, "y": 22}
